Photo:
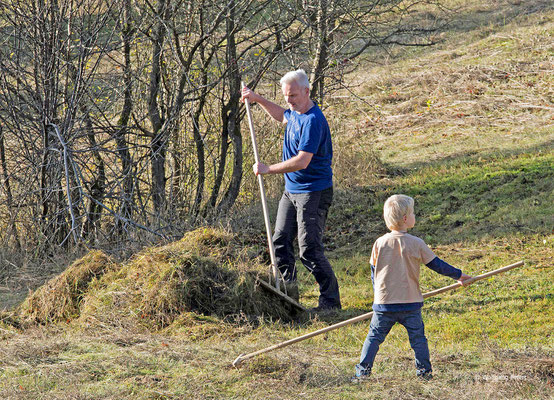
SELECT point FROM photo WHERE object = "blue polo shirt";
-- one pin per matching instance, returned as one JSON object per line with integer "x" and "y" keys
{"x": 308, "y": 132}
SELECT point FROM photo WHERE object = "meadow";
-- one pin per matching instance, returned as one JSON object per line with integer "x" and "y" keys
{"x": 467, "y": 129}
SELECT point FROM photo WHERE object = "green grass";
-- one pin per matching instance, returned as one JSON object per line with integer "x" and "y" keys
{"x": 483, "y": 185}
{"x": 486, "y": 197}
{"x": 490, "y": 340}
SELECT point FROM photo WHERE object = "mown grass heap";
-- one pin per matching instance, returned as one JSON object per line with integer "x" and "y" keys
{"x": 60, "y": 298}
{"x": 206, "y": 273}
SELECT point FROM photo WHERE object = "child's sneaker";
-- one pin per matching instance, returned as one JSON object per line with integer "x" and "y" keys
{"x": 424, "y": 375}
{"x": 360, "y": 378}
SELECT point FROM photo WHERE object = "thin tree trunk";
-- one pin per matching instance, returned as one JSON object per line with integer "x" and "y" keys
{"x": 126, "y": 199}
{"x": 98, "y": 187}
{"x": 320, "y": 58}
{"x": 158, "y": 142}
{"x": 223, "y": 151}
{"x": 232, "y": 125}
{"x": 232, "y": 192}
{"x": 9, "y": 196}
{"x": 200, "y": 160}
{"x": 199, "y": 143}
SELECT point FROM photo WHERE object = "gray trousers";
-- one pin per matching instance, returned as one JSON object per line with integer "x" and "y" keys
{"x": 303, "y": 215}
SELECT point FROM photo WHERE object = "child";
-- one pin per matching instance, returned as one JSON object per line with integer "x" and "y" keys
{"x": 395, "y": 262}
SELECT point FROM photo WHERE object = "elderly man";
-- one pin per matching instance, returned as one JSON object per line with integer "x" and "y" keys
{"x": 307, "y": 155}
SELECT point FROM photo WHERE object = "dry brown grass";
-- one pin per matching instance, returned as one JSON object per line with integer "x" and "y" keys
{"x": 176, "y": 288}
{"x": 489, "y": 93}
{"x": 60, "y": 298}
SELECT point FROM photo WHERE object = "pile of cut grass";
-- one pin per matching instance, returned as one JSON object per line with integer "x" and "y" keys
{"x": 60, "y": 298}
{"x": 199, "y": 281}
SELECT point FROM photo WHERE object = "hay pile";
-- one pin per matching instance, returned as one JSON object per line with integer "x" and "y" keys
{"x": 207, "y": 273}
{"x": 60, "y": 298}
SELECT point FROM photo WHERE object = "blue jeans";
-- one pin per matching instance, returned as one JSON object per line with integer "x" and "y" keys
{"x": 380, "y": 326}
{"x": 303, "y": 216}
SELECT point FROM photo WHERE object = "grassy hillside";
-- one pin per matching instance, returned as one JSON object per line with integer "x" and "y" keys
{"x": 467, "y": 129}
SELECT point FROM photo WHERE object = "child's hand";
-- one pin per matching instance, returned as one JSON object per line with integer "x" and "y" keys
{"x": 463, "y": 278}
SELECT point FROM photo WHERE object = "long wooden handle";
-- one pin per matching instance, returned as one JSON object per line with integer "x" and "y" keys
{"x": 474, "y": 279}
{"x": 363, "y": 317}
{"x": 274, "y": 271}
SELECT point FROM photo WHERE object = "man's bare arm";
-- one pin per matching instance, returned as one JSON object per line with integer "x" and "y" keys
{"x": 296, "y": 163}
{"x": 274, "y": 110}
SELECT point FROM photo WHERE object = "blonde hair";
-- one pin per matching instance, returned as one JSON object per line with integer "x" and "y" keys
{"x": 299, "y": 76}
{"x": 396, "y": 208}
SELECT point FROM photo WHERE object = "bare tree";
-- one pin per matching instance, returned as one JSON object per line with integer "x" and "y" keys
{"x": 48, "y": 62}
{"x": 125, "y": 115}
{"x": 340, "y": 31}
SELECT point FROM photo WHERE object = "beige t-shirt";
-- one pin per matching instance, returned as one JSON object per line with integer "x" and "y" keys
{"x": 397, "y": 257}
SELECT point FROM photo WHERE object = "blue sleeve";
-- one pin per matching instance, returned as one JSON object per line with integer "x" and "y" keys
{"x": 372, "y": 274}
{"x": 444, "y": 268}
{"x": 286, "y": 114}
{"x": 311, "y": 136}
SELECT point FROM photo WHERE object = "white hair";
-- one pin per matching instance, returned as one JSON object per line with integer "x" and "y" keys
{"x": 299, "y": 76}
{"x": 396, "y": 208}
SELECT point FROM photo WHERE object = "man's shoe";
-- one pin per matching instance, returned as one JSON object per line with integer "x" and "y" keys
{"x": 324, "y": 309}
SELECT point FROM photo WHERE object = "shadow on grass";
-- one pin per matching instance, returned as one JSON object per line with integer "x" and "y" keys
{"x": 472, "y": 156}
{"x": 467, "y": 197}
{"x": 333, "y": 317}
